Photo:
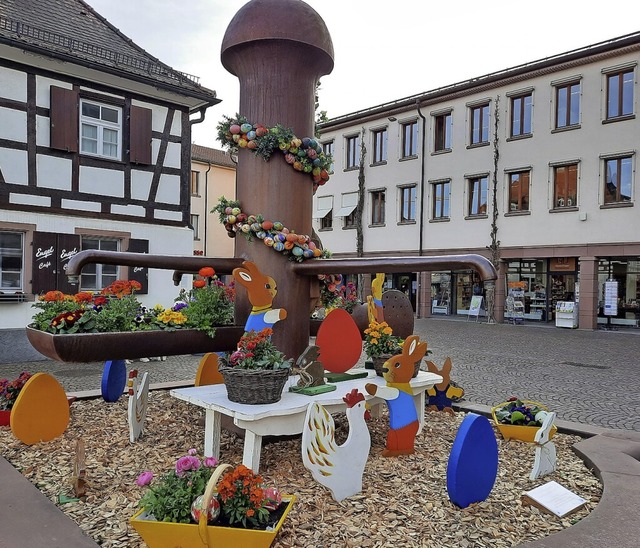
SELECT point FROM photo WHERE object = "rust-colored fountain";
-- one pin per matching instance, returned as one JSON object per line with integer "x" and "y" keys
{"x": 278, "y": 65}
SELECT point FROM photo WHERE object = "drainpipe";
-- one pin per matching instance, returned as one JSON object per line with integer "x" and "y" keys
{"x": 421, "y": 223}
{"x": 206, "y": 206}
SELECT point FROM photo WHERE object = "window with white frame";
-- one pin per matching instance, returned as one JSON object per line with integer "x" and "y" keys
{"x": 100, "y": 129}
{"x": 408, "y": 203}
{"x": 195, "y": 224}
{"x": 324, "y": 212}
{"x": 11, "y": 261}
{"x": 98, "y": 276}
{"x": 618, "y": 179}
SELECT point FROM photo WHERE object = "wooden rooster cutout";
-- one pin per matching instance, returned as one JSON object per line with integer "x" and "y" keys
{"x": 442, "y": 394}
{"x": 138, "y": 399}
{"x": 338, "y": 467}
{"x": 545, "y": 461}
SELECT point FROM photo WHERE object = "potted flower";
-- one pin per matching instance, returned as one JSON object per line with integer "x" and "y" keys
{"x": 9, "y": 391}
{"x": 256, "y": 371}
{"x": 201, "y": 504}
{"x": 520, "y": 419}
{"x": 380, "y": 344}
{"x": 117, "y": 317}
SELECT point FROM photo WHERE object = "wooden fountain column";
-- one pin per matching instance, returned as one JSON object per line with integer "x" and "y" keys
{"x": 278, "y": 49}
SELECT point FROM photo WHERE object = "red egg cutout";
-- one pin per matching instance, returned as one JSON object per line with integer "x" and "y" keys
{"x": 339, "y": 341}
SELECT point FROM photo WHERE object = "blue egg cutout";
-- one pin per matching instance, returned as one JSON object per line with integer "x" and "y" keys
{"x": 114, "y": 379}
{"x": 473, "y": 463}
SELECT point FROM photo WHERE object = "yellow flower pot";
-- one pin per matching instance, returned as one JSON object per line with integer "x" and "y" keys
{"x": 162, "y": 534}
{"x": 519, "y": 432}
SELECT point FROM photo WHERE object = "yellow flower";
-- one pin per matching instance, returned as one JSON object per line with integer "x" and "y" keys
{"x": 374, "y": 341}
{"x": 387, "y": 331}
{"x": 375, "y": 334}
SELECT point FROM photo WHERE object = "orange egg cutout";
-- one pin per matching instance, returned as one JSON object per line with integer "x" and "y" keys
{"x": 41, "y": 411}
{"x": 208, "y": 370}
{"x": 339, "y": 341}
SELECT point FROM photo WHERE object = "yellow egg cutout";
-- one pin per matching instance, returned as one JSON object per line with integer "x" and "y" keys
{"x": 41, "y": 411}
{"x": 208, "y": 370}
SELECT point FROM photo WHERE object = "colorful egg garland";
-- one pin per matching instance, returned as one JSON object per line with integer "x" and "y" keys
{"x": 304, "y": 155}
{"x": 273, "y": 234}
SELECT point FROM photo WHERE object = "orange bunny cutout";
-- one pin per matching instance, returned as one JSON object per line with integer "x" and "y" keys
{"x": 403, "y": 415}
{"x": 261, "y": 290}
{"x": 442, "y": 394}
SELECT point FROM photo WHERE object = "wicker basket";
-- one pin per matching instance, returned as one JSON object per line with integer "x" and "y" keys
{"x": 254, "y": 386}
{"x": 379, "y": 361}
{"x": 161, "y": 534}
{"x": 517, "y": 431}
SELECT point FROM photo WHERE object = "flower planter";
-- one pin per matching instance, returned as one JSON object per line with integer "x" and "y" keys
{"x": 519, "y": 432}
{"x": 254, "y": 386}
{"x": 95, "y": 347}
{"x": 5, "y": 417}
{"x": 160, "y": 534}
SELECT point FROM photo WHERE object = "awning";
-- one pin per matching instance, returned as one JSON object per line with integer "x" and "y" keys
{"x": 325, "y": 205}
{"x": 349, "y": 203}
{"x": 346, "y": 210}
{"x": 321, "y": 213}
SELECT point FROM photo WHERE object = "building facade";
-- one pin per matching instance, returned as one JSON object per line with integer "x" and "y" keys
{"x": 213, "y": 174}
{"x": 533, "y": 167}
{"x": 95, "y": 148}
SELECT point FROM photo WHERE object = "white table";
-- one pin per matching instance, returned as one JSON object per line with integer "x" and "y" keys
{"x": 285, "y": 417}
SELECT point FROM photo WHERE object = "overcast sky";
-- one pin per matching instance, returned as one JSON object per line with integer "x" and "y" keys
{"x": 383, "y": 50}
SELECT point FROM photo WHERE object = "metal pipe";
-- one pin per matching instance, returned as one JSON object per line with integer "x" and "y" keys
{"x": 365, "y": 265}
{"x": 165, "y": 262}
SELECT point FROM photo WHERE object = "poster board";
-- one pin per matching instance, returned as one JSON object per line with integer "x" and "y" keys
{"x": 611, "y": 298}
{"x": 475, "y": 306}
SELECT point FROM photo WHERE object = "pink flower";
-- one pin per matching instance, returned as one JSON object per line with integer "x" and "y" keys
{"x": 192, "y": 452}
{"x": 187, "y": 463}
{"x": 210, "y": 462}
{"x": 144, "y": 478}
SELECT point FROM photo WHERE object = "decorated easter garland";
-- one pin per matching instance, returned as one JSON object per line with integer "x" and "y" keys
{"x": 273, "y": 234}
{"x": 305, "y": 155}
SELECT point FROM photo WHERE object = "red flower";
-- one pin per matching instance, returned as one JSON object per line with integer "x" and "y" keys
{"x": 199, "y": 283}
{"x": 206, "y": 272}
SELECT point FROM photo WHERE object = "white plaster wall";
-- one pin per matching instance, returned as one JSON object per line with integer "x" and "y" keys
{"x": 29, "y": 199}
{"x": 138, "y": 211}
{"x": 13, "y": 125}
{"x": 140, "y": 184}
{"x": 13, "y": 84}
{"x": 43, "y": 89}
{"x": 168, "y": 189}
{"x": 43, "y": 131}
{"x": 53, "y": 172}
{"x": 159, "y": 116}
{"x": 81, "y": 205}
{"x": 172, "y": 157}
{"x": 101, "y": 181}
{"x": 176, "y": 124}
{"x": 14, "y": 166}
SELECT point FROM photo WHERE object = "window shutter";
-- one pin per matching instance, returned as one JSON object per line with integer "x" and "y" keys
{"x": 139, "y": 273}
{"x": 45, "y": 252}
{"x": 63, "y": 116}
{"x": 68, "y": 247}
{"x": 140, "y": 136}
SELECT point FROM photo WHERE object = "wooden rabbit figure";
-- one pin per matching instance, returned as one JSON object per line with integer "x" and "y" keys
{"x": 374, "y": 301}
{"x": 440, "y": 396}
{"x": 262, "y": 290}
{"x": 310, "y": 368}
{"x": 403, "y": 416}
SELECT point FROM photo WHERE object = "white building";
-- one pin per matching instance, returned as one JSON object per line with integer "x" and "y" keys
{"x": 545, "y": 152}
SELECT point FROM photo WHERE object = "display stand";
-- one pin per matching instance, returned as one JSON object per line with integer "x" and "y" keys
{"x": 475, "y": 306}
{"x": 566, "y": 314}
{"x": 610, "y": 301}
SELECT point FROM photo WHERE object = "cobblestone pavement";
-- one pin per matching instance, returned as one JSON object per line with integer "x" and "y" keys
{"x": 588, "y": 377}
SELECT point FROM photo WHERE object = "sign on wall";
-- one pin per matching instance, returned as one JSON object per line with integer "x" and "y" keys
{"x": 611, "y": 298}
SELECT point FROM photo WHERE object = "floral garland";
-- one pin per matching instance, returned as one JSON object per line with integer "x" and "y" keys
{"x": 305, "y": 155}
{"x": 272, "y": 233}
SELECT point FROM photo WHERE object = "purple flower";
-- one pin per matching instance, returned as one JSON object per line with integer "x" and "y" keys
{"x": 210, "y": 462}
{"x": 187, "y": 463}
{"x": 179, "y": 305}
{"x": 144, "y": 478}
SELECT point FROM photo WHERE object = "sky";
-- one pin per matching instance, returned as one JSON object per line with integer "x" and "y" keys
{"x": 383, "y": 51}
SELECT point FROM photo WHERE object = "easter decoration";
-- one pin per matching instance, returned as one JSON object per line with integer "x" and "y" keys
{"x": 137, "y": 406}
{"x": 337, "y": 359}
{"x": 545, "y": 460}
{"x": 298, "y": 247}
{"x": 304, "y": 155}
{"x": 311, "y": 372}
{"x": 374, "y": 301}
{"x": 338, "y": 467}
{"x": 473, "y": 463}
{"x": 208, "y": 372}
{"x": 442, "y": 394}
{"x": 403, "y": 416}
{"x": 79, "y": 479}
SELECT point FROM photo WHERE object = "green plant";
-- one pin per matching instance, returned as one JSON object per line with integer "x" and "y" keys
{"x": 256, "y": 351}
{"x": 9, "y": 390}
{"x": 379, "y": 340}
{"x": 519, "y": 413}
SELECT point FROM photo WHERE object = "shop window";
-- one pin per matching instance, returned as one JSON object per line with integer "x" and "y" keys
{"x": 407, "y": 204}
{"x": 98, "y": 276}
{"x": 521, "y": 114}
{"x": 620, "y": 94}
{"x": 567, "y": 105}
{"x": 565, "y": 186}
{"x": 378, "y": 198}
{"x": 618, "y": 180}
{"x": 478, "y": 195}
{"x": 195, "y": 183}
{"x": 353, "y": 152}
{"x": 11, "y": 262}
{"x": 441, "y": 198}
{"x": 380, "y": 146}
{"x": 327, "y": 148}
{"x": 479, "y": 118}
{"x": 410, "y": 139}
{"x": 519, "y": 191}
{"x": 443, "y": 125}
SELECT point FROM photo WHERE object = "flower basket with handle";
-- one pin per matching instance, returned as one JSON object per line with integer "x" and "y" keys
{"x": 517, "y": 431}
{"x": 254, "y": 386}
{"x": 163, "y": 534}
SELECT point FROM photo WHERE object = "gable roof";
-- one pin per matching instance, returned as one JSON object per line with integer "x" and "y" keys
{"x": 200, "y": 153}
{"x": 73, "y": 31}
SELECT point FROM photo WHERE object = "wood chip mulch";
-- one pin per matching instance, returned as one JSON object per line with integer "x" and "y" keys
{"x": 404, "y": 501}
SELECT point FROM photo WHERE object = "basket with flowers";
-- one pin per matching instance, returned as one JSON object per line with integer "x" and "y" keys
{"x": 520, "y": 419}
{"x": 380, "y": 344}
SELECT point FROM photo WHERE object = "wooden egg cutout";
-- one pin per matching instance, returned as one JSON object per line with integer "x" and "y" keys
{"x": 208, "y": 372}
{"x": 473, "y": 463}
{"x": 398, "y": 312}
{"x": 41, "y": 411}
{"x": 114, "y": 379}
{"x": 339, "y": 341}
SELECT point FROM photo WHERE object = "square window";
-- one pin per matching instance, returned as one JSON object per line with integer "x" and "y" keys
{"x": 98, "y": 276}
{"x": 100, "y": 130}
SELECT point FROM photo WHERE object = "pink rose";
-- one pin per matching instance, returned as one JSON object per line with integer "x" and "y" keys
{"x": 210, "y": 462}
{"x": 144, "y": 478}
{"x": 187, "y": 463}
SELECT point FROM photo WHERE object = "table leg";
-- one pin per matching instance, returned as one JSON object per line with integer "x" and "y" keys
{"x": 212, "y": 422}
{"x": 252, "y": 449}
{"x": 420, "y": 401}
